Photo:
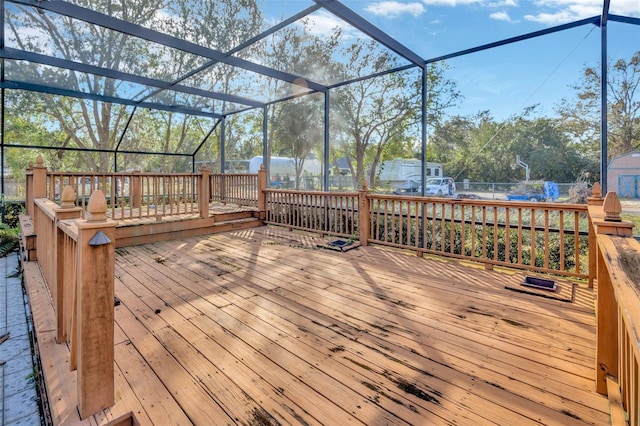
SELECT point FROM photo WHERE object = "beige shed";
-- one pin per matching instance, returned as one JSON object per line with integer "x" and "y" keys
{"x": 623, "y": 175}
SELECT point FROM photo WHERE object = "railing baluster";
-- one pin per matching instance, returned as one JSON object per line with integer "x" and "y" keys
{"x": 533, "y": 237}
{"x": 495, "y": 233}
{"x": 484, "y": 232}
{"x": 576, "y": 242}
{"x": 546, "y": 238}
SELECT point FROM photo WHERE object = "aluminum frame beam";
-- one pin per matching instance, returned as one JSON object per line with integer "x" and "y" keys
{"x": 624, "y": 19}
{"x": 16, "y": 85}
{"x": 124, "y": 27}
{"x": 604, "y": 124}
{"x": 595, "y": 20}
{"x": 108, "y": 151}
{"x": 22, "y": 55}
{"x": 343, "y": 12}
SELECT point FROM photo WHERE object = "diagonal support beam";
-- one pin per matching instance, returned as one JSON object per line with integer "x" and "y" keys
{"x": 106, "y": 21}
{"x": 16, "y": 85}
{"x": 624, "y": 19}
{"x": 357, "y": 21}
{"x": 594, "y": 20}
{"x": 22, "y": 55}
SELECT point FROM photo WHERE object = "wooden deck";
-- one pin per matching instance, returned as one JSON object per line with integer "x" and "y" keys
{"x": 260, "y": 327}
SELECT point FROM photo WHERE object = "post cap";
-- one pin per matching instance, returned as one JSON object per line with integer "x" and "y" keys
{"x": 68, "y": 198}
{"x": 612, "y": 207}
{"x": 97, "y": 207}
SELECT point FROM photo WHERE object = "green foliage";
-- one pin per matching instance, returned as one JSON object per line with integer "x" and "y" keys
{"x": 479, "y": 242}
{"x": 581, "y": 115}
{"x": 11, "y": 212}
{"x": 375, "y": 117}
{"x": 58, "y": 121}
{"x": 481, "y": 149}
{"x": 9, "y": 239}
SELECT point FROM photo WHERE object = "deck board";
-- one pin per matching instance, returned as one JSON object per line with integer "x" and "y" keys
{"x": 261, "y": 327}
{"x": 335, "y": 338}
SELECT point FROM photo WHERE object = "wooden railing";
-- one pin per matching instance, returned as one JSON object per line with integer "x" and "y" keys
{"x": 78, "y": 262}
{"x": 241, "y": 189}
{"x": 132, "y": 195}
{"x": 542, "y": 237}
{"x": 618, "y": 311}
{"x": 153, "y": 195}
{"x": 330, "y": 213}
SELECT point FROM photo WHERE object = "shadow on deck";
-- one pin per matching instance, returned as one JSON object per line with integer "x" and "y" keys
{"x": 260, "y": 326}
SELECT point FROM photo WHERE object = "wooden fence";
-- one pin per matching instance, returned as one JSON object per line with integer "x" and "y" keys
{"x": 542, "y": 237}
{"x": 132, "y": 195}
{"x": 79, "y": 271}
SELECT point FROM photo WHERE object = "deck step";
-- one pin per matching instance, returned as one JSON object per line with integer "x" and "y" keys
{"x": 167, "y": 231}
{"x": 231, "y": 216}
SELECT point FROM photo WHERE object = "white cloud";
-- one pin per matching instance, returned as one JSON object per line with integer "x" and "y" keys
{"x": 500, "y": 16}
{"x": 451, "y": 2}
{"x": 625, "y": 7}
{"x": 565, "y": 11}
{"x": 323, "y": 23}
{"x": 393, "y": 9}
{"x": 554, "y": 12}
{"x": 485, "y": 3}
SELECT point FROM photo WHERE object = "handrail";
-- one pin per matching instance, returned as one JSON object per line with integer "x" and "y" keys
{"x": 542, "y": 237}
{"x": 156, "y": 195}
{"x": 618, "y": 307}
{"x": 132, "y": 195}
{"x": 329, "y": 213}
{"x": 78, "y": 261}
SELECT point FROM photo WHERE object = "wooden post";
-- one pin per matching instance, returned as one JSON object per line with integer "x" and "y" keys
{"x": 39, "y": 179}
{"x": 95, "y": 312}
{"x": 136, "y": 190}
{"x": 36, "y": 185}
{"x": 67, "y": 210}
{"x": 29, "y": 207}
{"x": 612, "y": 224}
{"x": 363, "y": 215}
{"x": 595, "y": 200}
{"x": 607, "y": 307}
{"x": 262, "y": 196}
{"x": 203, "y": 191}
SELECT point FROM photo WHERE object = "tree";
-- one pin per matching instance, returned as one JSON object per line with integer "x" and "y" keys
{"x": 296, "y": 50}
{"x": 581, "y": 115}
{"x": 300, "y": 131}
{"x": 481, "y": 149}
{"x": 375, "y": 113}
{"x": 91, "y": 124}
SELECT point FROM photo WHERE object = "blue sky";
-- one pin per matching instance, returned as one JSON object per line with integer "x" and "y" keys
{"x": 507, "y": 79}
